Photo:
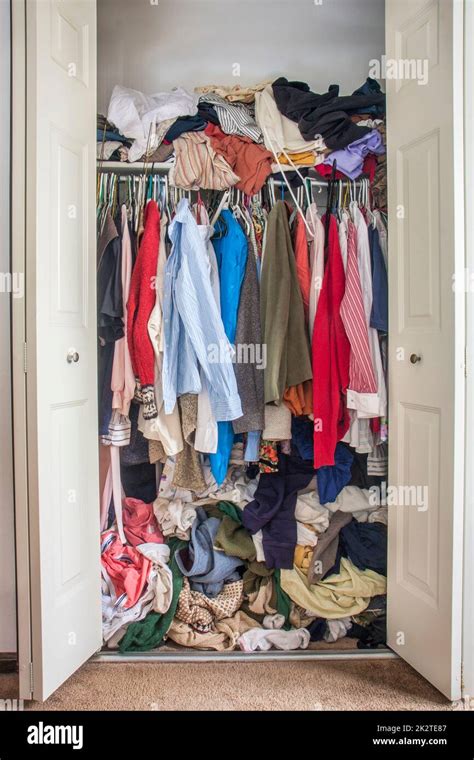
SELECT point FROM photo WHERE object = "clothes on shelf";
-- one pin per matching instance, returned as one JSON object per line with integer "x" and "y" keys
{"x": 220, "y": 136}
{"x": 242, "y": 371}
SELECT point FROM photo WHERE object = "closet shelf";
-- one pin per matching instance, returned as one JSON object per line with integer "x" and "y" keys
{"x": 137, "y": 166}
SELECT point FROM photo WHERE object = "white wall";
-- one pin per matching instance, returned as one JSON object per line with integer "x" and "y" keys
{"x": 154, "y": 45}
{"x": 7, "y": 535}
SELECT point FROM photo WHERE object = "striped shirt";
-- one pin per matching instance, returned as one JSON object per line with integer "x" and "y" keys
{"x": 198, "y": 165}
{"x": 361, "y": 372}
{"x": 235, "y": 118}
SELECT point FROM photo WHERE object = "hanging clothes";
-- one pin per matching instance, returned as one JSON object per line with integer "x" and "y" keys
{"x": 231, "y": 253}
{"x": 331, "y": 352}
{"x": 282, "y": 311}
{"x": 193, "y": 324}
{"x": 140, "y": 305}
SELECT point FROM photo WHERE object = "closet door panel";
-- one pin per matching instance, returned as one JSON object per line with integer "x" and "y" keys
{"x": 61, "y": 339}
{"x": 426, "y": 345}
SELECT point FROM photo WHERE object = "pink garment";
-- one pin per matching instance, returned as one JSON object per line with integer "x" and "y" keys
{"x": 140, "y": 524}
{"x": 361, "y": 371}
{"x": 126, "y": 568}
{"x": 303, "y": 270}
{"x": 123, "y": 379}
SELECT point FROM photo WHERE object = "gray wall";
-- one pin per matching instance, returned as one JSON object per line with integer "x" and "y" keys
{"x": 7, "y": 536}
{"x": 153, "y": 47}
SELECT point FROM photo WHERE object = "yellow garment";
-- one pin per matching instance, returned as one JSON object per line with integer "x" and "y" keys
{"x": 341, "y": 595}
{"x": 305, "y": 158}
{"x": 235, "y": 94}
{"x": 303, "y": 556}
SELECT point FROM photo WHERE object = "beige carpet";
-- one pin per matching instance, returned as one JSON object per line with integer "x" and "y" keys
{"x": 332, "y": 685}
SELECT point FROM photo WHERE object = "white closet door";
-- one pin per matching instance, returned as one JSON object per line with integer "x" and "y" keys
{"x": 61, "y": 338}
{"x": 427, "y": 321}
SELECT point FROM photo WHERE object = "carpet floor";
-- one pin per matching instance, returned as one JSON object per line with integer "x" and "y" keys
{"x": 317, "y": 685}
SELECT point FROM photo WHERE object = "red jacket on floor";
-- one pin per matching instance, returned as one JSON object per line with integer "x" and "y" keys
{"x": 331, "y": 352}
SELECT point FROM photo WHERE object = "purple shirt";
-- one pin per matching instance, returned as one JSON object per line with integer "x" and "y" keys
{"x": 350, "y": 160}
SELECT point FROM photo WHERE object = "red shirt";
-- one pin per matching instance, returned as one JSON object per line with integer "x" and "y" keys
{"x": 331, "y": 352}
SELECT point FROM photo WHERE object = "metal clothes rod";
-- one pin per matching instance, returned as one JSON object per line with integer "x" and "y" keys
{"x": 160, "y": 168}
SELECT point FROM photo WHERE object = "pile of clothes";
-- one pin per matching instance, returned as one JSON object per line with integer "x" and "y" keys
{"x": 209, "y": 573}
{"x": 220, "y": 137}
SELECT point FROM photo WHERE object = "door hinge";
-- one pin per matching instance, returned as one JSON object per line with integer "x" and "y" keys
{"x": 25, "y": 358}
{"x": 32, "y": 681}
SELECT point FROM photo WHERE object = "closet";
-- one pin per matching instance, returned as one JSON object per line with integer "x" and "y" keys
{"x": 65, "y": 59}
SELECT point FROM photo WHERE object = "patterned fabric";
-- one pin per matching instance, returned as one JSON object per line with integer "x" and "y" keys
{"x": 235, "y": 118}
{"x": 198, "y": 165}
{"x": 268, "y": 456}
{"x": 361, "y": 371}
{"x": 200, "y": 611}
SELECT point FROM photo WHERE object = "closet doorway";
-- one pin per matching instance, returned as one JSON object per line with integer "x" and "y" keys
{"x": 55, "y": 400}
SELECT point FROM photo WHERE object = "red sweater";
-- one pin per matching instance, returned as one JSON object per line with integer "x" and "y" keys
{"x": 331, "y": 350}
{"x": 140, "y": 304}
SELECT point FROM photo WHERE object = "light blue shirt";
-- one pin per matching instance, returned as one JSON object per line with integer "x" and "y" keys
{"x": 193, "y": 329}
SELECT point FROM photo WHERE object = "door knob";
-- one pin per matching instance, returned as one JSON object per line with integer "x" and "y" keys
{"x": 414, "y": 358}
{"x": 72, "y": 356}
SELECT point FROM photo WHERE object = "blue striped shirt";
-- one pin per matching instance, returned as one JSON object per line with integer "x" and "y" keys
{"x": 193, "y": 325}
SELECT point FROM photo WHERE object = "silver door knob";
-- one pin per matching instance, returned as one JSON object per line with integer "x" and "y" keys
{"x": 72, "y": 356}
{"x": 414, "y": 358}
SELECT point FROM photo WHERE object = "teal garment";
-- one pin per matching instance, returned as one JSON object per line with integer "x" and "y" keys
{"x": 231, "y": 253}
{"x": 148, "y": 633}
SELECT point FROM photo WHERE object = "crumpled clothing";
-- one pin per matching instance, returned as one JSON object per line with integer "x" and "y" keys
{"x": 237, "y": 487}
{"x": 251, "y": 162}
{"x": 236, "y": 93}
{"x": 337, "y": 629}
{"x": 174, "y": 517}
{"x": 138, "y": 116}
{"x": 274, "y": 622}
{"x": 306, "y": 534}
{"x": 350, "y": 160}
{"x": 160, "y": 579}
{"x": 309, "y": 511}
{"x": 106, "y": 149}
{"x": 234, "y": 540}
{"x": 341, "y": 595}
{"x": 124, "y": 567}
{"x": 223, "y": 639}
{"x": 197, "y": 165}
{"x": 156, "y": 597}
{"x": 325, "y": 554}
{"x": 331, "y": 479}
{"x": 299, "y": 398}
{"x": 303, "y": 556}
{"x": 139, "y": 523}
{"x": 206, "y": 568}
{"x": 380, "y": 515}
{"x": 263, "y": 640}
{"x": 201, "y": 612}
{"x": 234, "y": 118}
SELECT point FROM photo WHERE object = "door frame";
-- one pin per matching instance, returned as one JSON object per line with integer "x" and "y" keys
{"x": 467, "y": 677}
{"x": 19, "y": 341}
